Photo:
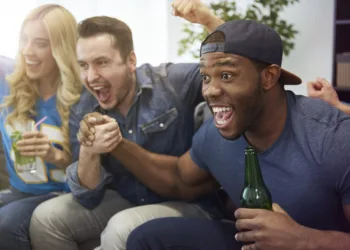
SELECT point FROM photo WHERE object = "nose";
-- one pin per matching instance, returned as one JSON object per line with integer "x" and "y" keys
{"x": 92, "y": 74}
{"x": 211, "y": 90}
{"x": 27, "y": 49}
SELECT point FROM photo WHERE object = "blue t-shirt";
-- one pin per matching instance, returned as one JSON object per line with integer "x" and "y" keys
{"x": 307, "y": 170}
{"x": 47, "y": 178}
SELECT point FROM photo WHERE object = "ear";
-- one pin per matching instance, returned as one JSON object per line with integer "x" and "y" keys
{"x": 131, "y": 61}
{"x": 270, "y": 76}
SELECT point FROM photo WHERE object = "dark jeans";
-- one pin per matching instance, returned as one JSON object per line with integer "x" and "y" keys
{"x": 16, "y": 210}
{"x": 184, "y": 234}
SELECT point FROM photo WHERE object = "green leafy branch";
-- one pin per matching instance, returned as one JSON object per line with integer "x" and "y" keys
{"x": 264, "y": 11}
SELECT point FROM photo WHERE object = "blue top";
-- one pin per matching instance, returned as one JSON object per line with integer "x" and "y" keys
{"x": 47, "y": 178}
{"x": 161, "y": 120}
{"x": 307, "y": 170}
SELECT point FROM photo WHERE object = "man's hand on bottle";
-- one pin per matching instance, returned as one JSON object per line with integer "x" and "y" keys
{"x": 268, "y": 230}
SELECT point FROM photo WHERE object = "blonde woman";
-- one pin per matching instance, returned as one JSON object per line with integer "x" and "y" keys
{"x": 43, "y": 85}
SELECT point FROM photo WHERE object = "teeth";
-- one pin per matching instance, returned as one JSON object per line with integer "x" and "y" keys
{"x": 98, "y": 88}
{"x": 221, "y": 122}
{"x": 221, "y": 109}
{"x": 32, "y": 62}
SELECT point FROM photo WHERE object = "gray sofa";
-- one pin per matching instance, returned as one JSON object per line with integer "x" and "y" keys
{"x": 3, "y": 173}
{"x": 5, "y": 64}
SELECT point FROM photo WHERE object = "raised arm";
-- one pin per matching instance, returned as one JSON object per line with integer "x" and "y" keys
{"x": 195, "y": 11}
{"x": 343, "y": 107}
{"x": 322, "y": 89}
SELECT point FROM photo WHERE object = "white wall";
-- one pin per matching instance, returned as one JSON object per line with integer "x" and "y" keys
{"x": 11, "y": 17}
{"x": 156, "y": 32}
{"x": 146, "y": 18}
{"x": 313, "y": 52}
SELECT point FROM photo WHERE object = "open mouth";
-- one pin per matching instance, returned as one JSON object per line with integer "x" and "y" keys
{"x": 32, "y": 64}
{"x": 223, "y": 115}
{"x": 103, "y": 92}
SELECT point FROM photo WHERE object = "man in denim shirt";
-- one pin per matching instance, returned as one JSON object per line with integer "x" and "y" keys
{"x": 153, "y": 107}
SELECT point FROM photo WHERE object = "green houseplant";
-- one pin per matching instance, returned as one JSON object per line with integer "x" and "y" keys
{"x": 264, "y": 11}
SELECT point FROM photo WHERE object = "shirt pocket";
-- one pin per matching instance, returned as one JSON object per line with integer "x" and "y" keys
{"x": 161, "y": 122}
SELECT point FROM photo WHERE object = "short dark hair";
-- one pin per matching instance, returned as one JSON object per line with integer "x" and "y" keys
{"x": 119, "y": 30}
{"x": 260, "y": 66}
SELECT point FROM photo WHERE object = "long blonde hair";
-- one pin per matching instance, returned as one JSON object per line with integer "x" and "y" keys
{"x": 62, "y": 29}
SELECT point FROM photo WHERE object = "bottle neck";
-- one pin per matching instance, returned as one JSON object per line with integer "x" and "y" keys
{"x": 253, "y": 175}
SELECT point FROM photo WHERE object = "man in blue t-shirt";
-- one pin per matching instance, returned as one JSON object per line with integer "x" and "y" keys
{"x": 303, "y": 147}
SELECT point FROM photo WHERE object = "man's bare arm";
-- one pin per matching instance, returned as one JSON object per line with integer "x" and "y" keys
{"x": 170, "y": 176}
{"x": 89, "y": 169}
{"x": 343, "y": 107}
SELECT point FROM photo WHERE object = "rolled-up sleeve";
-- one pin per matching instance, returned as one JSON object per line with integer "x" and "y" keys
{"x": 89, "y": 198}
{"x": 86, "y": 197}
{"x": 74, "y": 124}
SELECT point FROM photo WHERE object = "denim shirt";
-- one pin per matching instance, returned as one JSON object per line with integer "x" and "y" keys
{"x": 160, "y": 120}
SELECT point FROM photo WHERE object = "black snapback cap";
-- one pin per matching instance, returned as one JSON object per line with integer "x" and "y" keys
{"x": 252, "y": 40}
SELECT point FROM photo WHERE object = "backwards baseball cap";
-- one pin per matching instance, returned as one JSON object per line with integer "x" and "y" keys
{"x": 252, "y": 40}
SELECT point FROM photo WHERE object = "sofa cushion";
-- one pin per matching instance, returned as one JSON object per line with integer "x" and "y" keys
{"x": 6, "y": 65}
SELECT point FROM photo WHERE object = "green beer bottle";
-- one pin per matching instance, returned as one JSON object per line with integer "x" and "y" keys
{"x": 255, "y": 193}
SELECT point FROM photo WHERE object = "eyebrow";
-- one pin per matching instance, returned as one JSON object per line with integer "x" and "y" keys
{"x": 41, "y": 40}
{"x": 101, "y": 58}
{"x": 95, "y": 59}
{"x": 226, "y": 62}
{"x": 36, "y": 38}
